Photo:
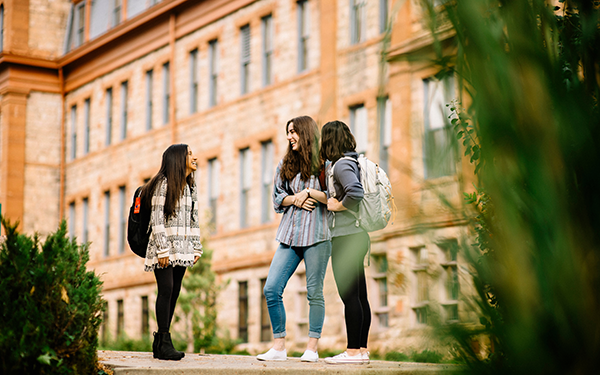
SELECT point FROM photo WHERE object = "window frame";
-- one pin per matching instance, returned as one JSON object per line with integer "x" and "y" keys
{"x": 194, "y": 82}
{"x": 149, "y": 98}
{"x": 124, "y": 108}
{"x": 268, "y": 49}
{"x": 243, "y": 312}
{"x": 213, "y": 72}
{"x": 245, "y": 58}
{"x": 438, "y": 163}
{"x": 109, "y": 115}
{"x": 166, "y": 75}
{"x": 359, "y": 126}
{"x": 245, "y": 155}
{"x": 303, "y": 20}
{"x": 267, "y": 175}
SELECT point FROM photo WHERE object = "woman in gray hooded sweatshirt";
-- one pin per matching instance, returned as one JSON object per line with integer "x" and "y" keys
{"x": 349, "y": 241}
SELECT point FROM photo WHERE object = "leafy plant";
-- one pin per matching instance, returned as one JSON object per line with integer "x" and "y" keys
{"x": 530, "y": 72}
{"x": 49, "y": 303}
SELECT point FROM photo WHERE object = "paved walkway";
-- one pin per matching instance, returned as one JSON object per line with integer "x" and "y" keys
{"x": 142, "y": 363}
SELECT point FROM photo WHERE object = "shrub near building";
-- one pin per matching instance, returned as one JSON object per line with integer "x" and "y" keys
{"x": 49, "y": 304}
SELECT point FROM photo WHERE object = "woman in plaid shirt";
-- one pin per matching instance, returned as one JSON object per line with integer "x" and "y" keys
{"x": 302, "y": 234}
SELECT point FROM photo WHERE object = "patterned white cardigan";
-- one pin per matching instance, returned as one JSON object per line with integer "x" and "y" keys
{"x": 179, "y": 237}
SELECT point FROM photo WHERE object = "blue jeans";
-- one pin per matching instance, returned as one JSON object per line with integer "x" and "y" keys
{"x": 283, "y": 265}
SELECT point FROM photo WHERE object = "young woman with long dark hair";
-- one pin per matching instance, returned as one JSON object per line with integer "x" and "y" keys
{"x": 175, "y": 240}
{"x": 302, "y": 234}
{"x": 349, "y": 242}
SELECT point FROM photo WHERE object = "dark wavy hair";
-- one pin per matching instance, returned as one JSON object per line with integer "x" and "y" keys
{"x": 336, "y": 138}
{"x": 173, "y": 167}
{"x": 306, "y": 160}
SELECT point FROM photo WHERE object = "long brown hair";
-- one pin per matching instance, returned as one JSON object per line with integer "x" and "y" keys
{"x": 306, "y": 160}
{"x": 336, "y": 139}
{"x": 173, "y": 168}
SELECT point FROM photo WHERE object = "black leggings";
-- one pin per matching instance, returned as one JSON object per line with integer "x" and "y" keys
{"x": 347, "y": 260}
{"x": 169, "y": 284}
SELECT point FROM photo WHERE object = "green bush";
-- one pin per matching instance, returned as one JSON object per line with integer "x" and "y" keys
{"x": 396, "y": 357}
{"x": 427, "y": 356}
{"x": 126, "y": 344}
{"x": 49, "y": 303}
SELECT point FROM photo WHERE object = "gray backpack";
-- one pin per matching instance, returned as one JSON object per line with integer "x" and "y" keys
{"x": 377, "y": 207}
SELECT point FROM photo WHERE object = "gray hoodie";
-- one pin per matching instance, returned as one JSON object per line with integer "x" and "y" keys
{"x": 349, "y": 191}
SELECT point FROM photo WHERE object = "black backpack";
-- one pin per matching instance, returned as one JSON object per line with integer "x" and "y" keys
{"x": 138, "y": 231}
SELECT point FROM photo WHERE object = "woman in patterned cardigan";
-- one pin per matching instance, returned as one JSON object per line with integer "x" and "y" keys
{"x": 175, "y": 240}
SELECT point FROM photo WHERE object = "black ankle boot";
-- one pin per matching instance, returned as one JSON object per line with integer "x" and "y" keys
{"x": 165, "y": 349}
{"x": 155, "y": 344}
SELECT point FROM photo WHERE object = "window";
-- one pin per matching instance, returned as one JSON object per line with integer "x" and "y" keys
{"x": 243, "y": 311}
{"x": 167, "y": 92}
{"x": 358, "y": 18}
{"x": 265, "y": 323}
{"x": 118, "y": 6}
{"x": 381, "y": 308}
{"x": 383, "y": 15}
{"x": 73, "y": 132}
{"x": 1, "y": 27}
{"x": 303, "y": 34}
{"x": 120, "y": 318}
{"x": 76, "y": 26}
{"x": 302, "y": 305}
{"x": 86, "y": 132}
{"x": 358, "y": 126}
{"x": 149, "y": 85}
{"x": 421, "y": 289}
{"x": 439, "y": 143}
{"x": 267, "y": 37}
{"x": 86, "y": 208}
{"x": 194, "y": 81}
{"x": 109, "y": 115}
{"x": 104, "y": 321}
{"x": 124, "y": 100}
{"x": 384, "y": 109}
{"x": 449, "y": 250}
{"x": 123, "y": 219}
{"x": 245, "y": 58}
{"x": 80, "y": 11}
{"x": 213, "y": 71}
{"x": 145, "y": 316}
{"x": 213, "y": 191}
{"x": 106, "y": 223}
{"x": 266, "y": 180}
{"x": 71, "y": 220}
{"x": 245, "y": 184}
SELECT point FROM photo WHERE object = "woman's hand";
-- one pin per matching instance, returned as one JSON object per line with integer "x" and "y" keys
{"x": 335, "y": 206}
{"x": 300, "y": 198}
{"x": 309, "y": 204}
{"x": 163, "y": 262}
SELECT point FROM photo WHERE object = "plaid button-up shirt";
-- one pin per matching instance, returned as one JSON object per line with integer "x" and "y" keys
{"x": 299, "y": 227}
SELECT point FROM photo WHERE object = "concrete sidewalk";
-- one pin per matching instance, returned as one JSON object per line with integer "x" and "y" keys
{"x": 142, "y": 363}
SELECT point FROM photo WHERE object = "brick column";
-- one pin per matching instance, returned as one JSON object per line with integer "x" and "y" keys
{"x": 328, "y": 111}
{"x": 13, "y": 106}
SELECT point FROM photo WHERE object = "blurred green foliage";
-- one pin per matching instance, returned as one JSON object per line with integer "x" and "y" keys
{"x": 49, "y": 305}
{"x": 530, "y": 72}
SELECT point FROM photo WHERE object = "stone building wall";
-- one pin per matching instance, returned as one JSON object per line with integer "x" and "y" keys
{"x": 243, "y": 254}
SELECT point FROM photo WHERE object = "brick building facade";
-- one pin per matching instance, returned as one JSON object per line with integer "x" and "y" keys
{"x": 92, "y": 93}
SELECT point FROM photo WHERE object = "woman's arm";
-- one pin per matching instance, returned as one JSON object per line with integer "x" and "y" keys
{"x": 157, "y": 220}
{"x": 345, "y": 173}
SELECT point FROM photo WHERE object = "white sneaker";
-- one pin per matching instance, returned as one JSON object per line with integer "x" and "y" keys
{"x": 309, "y": 356}
{"x": 345, "y": 358}
{"x": 273, "y": 355}
{"x": 365, "y": 357}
